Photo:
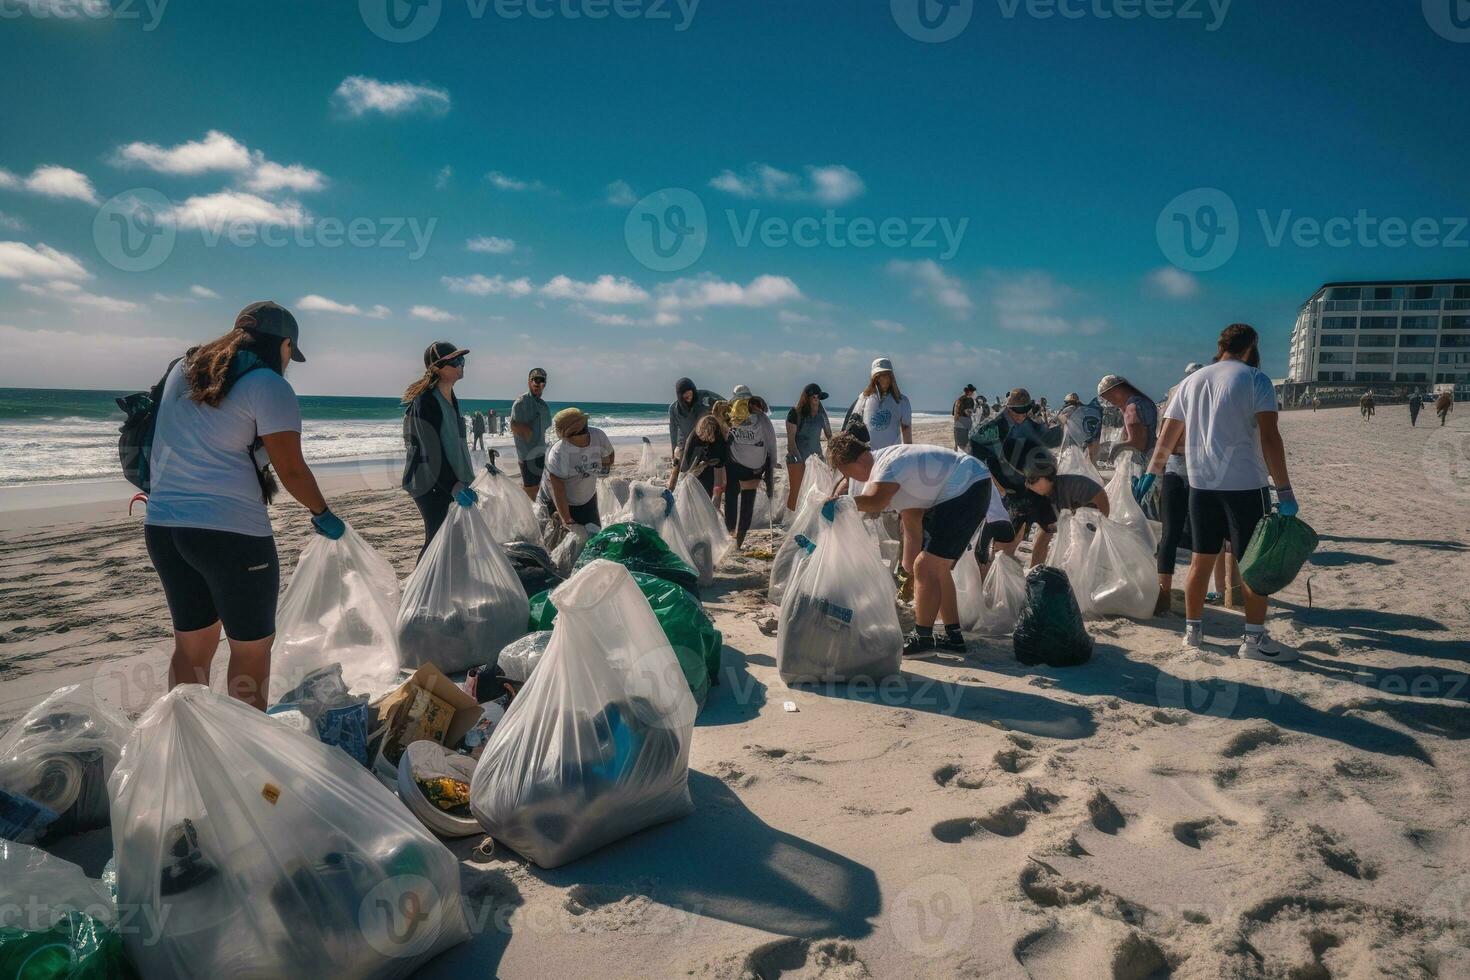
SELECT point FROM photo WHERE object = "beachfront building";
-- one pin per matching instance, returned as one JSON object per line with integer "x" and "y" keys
{"x": 1394, "y": 337}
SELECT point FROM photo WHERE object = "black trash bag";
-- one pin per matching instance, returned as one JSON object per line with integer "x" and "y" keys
{"x": 533, "y": 566}
{"x": 1050, "y": 629}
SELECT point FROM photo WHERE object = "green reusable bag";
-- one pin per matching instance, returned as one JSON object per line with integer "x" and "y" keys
{"x": 638, "y": 548}
{"x": 1279, "y": 547}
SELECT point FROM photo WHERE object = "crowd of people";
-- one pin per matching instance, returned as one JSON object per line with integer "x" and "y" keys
{"x": 227, "y": 414}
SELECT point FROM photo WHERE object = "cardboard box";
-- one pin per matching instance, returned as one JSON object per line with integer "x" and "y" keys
{"x": 428, "y": 706}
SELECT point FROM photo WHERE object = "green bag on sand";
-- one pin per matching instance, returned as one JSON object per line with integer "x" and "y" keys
{"x": 690, "y": 632}
{"x": 76, "y": 947}
{"x": 638, "y": 548}
{"x": 1279, "y": 547}
{"x": 1049, "y": 630}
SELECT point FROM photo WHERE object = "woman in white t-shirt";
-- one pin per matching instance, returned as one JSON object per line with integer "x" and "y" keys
{"x": 884, "y": 410}
{"x": 225, "y": 414}
{"x": 582, "y": 454}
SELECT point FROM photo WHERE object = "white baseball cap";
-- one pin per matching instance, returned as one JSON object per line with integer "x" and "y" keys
{"x": 741, "y": 391}
{"x": 880, "y": 364}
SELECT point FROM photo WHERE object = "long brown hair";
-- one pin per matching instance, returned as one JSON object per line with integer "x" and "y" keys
{"x": 423, "y": 384}
{"x": 872, "y": 387}
{"x": 207, "y": 367}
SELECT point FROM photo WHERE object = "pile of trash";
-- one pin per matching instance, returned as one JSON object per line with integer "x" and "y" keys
{"x": 464, "y": 601}
{"x": 596, "y": 745}
{"x": 323, "y": 707}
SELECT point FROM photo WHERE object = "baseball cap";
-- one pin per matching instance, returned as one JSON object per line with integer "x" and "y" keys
{"x": 1072, "y": 399}
{"x": 969, "y": 387}
{"x": 814, "y": 389}
{"x": 274, "y": 320}
{"x": 880, "y": 364}
{"x": 1109, "y": 382}
{"x": 537, "y": 374}
{"x": 441, "y": 350}
{"x": 1018, "y": 398}
{"x": 741, "y": 391}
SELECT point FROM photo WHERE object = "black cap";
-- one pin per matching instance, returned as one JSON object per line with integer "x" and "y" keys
{"x": 537, "y": 373}
{"x": 814, "y": 389}
{"x": 274, "y": 320}
{"x": 969, "y": 387}
{"x": 440, "y": 351}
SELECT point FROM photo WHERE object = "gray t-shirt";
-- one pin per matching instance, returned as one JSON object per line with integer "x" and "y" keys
{"x": 200, "y": 465}
{"x": 1070, "y": 491}
{"x": 531, "y": 410}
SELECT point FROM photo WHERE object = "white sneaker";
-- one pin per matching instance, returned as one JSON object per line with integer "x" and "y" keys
{"x": 1193, "y": 639}
{"x": 1266, "y": 650}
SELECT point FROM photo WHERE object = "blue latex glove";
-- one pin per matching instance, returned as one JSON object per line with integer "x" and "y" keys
{"x": 1143, "y": 485}
{"x": 1286, "y": 502}
{"x": 829, "y": 510}
{"x": 328, "y": 525}
{"x": 668, "y": 496}
{"x": 465, "y": 497}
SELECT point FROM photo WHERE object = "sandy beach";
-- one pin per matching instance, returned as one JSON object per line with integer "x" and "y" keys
{"x": 1151, "y": 813}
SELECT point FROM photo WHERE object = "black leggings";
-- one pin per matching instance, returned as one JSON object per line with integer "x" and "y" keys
{"x": 216, "y": 576}
{"x": 433, "y": 507}
{"x": 1174, "y": 516}
{"x": 739, "y": 509}
{"x": 706, "y": 479}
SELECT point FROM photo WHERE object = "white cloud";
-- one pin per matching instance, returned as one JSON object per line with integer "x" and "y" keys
{"x": 70, "y": 292}
{"x": 223, "y": 209}
{"x": 831, "y": 185}
{"x": 378, "y": 312}
{"x": 932, "y": 283}
{"x": 274, "y": 177}
{"x": 216, "y": 152}
{"x": 620, "y": 194}
{"x": 52, "y": 181}
{"x": 605, "y": 289}
{"x": 478, "y": 285}
{"x": 442, "y": 178}
{"x": 312, "y": 303}
{"x": 1172, "y": 282}
{"x": 491, "y": 244}
{"x": 359, "y": 95}
{"x": 21, "y": 261}
{"x": 203, "y": 292}
{"x": 505, "y": 182}
{"x": 890, "y": 326}
{"x": 1034, "y": 302}
{"x": 686, "y": 294}
{"x": 11, "y": 223}
{"x": 432, "y": 314}
{"x": 792, "y": 317}
{"x": 613, "y": 319}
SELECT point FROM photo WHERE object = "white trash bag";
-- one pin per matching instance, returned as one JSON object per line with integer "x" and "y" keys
{"x": 612, "y": 498}
{"x": 1074, "y": 461}
{"x": 341, "y": 606}
{"x": 798, "y": 544}
{"x": 507, "y": 509}
{"x": 817, "y": 476}
{"x": 1070, "y": 547}
{"x": 596, "y": 745}
{"x": 650, "y": 504}
{"x": 574, "y": 538}
{"x": 38, "y": 890}
{"x": 1120, "y": 572}
{"x": 54, "y": 765}
{"x": 1122, "y": 508}
{"x": 650, "y": 467}
{"x": 464, "y": 601}
{"x": 969, "y": 588}
{"x": 702, "y": 528}
{"x": 261, "y": 852}
{"x": 838, "y": 616}
{"x": 1004, "y": 596}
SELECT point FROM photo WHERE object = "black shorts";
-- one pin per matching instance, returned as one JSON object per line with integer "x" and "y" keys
{"x": 217, "y": 576}
{"x": 950, "y": 526}
{"x": 585, "y": 513}
{"x": 736, "y": 474}
{"x": 1030, "y": 507}
{"x": 531, "y": 470}
{"x": 1214, "y": 514}
{"x": 1003, "y": 532}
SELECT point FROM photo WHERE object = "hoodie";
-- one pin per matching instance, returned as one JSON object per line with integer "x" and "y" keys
{"x": 682, "y": 417}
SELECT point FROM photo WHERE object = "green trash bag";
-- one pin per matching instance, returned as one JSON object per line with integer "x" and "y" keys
{"x": 1279, "y": 548}
{"x": 55, "y": 922}
{"x": 693, "y": 636}
{"x": 638, "y": 548}
{"x": 1049, "y": 630}
{"x": 76, "y": 947}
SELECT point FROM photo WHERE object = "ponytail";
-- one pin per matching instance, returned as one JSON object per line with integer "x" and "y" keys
{"x": 423, "y": 384}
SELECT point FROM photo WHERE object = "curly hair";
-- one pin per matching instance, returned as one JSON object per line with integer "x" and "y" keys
{"x": 207, "y": 367}
{"x": 844, "y": 448}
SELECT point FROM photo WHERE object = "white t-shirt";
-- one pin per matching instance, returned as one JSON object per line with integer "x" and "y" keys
{"x": 1218, "y": 406}
{"x": 884, "y": 416}
{"x": 200, "y": 468}
{"x": 926, "y": 475}
{"x": 997, "y": 511}
{"x": 577, "y": 466}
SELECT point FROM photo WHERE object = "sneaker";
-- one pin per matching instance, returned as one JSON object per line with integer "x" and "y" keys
{"x": 1193, "y": 639}
{"x": 916, "y": 647}
{"x": 1266, "y": 650}
{"x": 943, "y": 642}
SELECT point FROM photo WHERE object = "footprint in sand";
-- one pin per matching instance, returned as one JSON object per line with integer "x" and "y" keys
{"x": 828, "y": 958}
{"x": 1041, "y": 883}
{"x": 1006, "y": 821}
{"x": 1193, "y": 833}
{"x": 1339, "y": 857}
{"x": 1014, "y": 760}
{"x": 1104, "y": 814}
{"x": 1250, "y": 740}
{"x": 953, "y": 774}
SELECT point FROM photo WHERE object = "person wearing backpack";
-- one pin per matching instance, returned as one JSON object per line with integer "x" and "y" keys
{"x": 226, "y": 412}
{"x": 438, "y": 471}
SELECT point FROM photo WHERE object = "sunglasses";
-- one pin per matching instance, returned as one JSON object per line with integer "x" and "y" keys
{"x": 454, "y": 362}
{"x": 538, "y": 381}
{"x": 580, "y": 432}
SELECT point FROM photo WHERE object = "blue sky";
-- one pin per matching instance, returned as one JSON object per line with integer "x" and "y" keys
{"x": 1047, "y": 146}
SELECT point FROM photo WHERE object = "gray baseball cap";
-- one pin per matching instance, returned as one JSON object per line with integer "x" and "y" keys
{"x": 274, "y": 320}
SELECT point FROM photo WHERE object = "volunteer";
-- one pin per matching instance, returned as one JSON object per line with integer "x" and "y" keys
{"x": 1050, "y": 493}
{"x": 1416, "y": 403}
{"x": 1173, "y": 510}
{"x": 883, "y": 409}
{"x": 529, "y": 419}
{"x": 997, "y": 533}
{"x": 437, "y": 471}
{"x": 705, "y": 456}
{"x": 806, "y": 424}
{"x": 1140, "y": 414}
{"x": 477, "y": 428}
{"x": 1227, "y": 416}
{"x": 1005, "y": 444}
{"x": 1365, "y": 405}
{"x": 752, "y": 461}
{"x": 208, "y": 531}
{"x": 581, "y": 454}
{"x": 1081, "y": 425}
{"x": 963, "y": 412}
{"x": 942, "y": 497}
{"x": 685, "y": 410}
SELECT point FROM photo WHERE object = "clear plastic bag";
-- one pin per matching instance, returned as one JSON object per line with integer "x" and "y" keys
{"x": 817, "y": 476}
{"x": 796, "y": 547}
{"x": 518, "y": 659}
{"x": 1122, "y": 508}
{"x": 1073, "y": 461}
{"x": 612, "y": 499}
{"x": 434, "y": 784}
{"x": 838, "y": 617}
{"x": 341, "y": 606}
{"x": 261, "y": 852}
{"x": 507, "y": 509}
{"x": 1120, "y": 572}
{"x": 59, "y": 756}
{"x": 55, "y": 922}
{"x": 596, "y": 745}
{"x": 1003, "y": 596}
{"x": 574, "y": 538}
{"x": 650, "y": 467}
{"x": 969, "y": 588}
{"x": 1075, "y": 531}
{"x": 702, "y": 529}
{"x": 464, "y": 601}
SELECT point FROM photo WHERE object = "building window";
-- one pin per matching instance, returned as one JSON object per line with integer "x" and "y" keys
{"x": 1421, "y": 292}
{"x": 1457, "y": 357}
{"x": 1456, "y": 323}
{"x": 1419, "y": 323}
{"x": 1418, "y": 340}
{"x": 1374, "y": 375}
{"x": 1332, "y": 375}
{"x": 1353, "y": 292}
{"x": 1335, "y": 357}
{"x": 1376, "y": 340}
{"x": 1378, "y": 323}
{"x": 1417, "y": 357}
{"x": 1462, "y": 292}
{"x": 1375, "y": 357}
{"x": 1454, "y": 340}
{"x": 1340, "y": 340}
{"x": 1343, "y": 322}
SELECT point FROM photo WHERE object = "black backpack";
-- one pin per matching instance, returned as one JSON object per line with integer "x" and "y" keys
{"x": 135, "y": 435}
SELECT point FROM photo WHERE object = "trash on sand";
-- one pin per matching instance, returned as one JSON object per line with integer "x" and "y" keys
{"x": 434, "y": 784}
{"x": 428, "y": 706}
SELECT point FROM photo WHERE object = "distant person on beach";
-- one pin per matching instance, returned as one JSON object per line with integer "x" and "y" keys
{"x": 942, "y": 497}
{"x": 477, "y": 427}
{"x": 1226, "y": 415}
{"x": 963, "y": 412}
{"x": 685, "y": 411}
{"x": 1042, "y": 411}
{"x": 806, "y": 425}
{"x": 492, "y": 422}
{"x": 226, "y": 414}
{"x": 1140, "y": 414}
{"x": 1173, "y": 509}
{"x": 752, "y": 461}
{"x": 1365, "y": 405}
{"x": 705, "y": 457}
{"x": 1081, "y": 425}
{"x": 883, "y": 408}
{"x": 438, "y": 471}
{"x": 1316, "y": 403}
{"x": 582, "y": 454}
{"x": 529, "y": 420}
{"x": 1444, "y": 405}
{"x": 982, "y": 408}
{"x": 1416, "y": 402}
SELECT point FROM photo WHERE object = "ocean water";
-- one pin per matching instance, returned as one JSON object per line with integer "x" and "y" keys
{"x": 50, "y": 435}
